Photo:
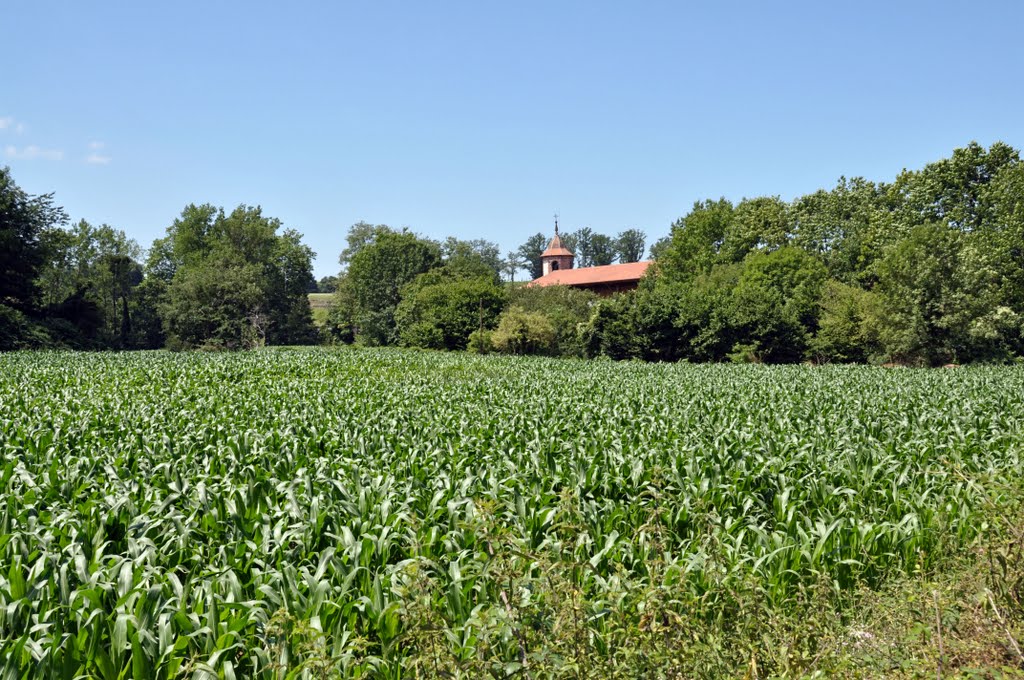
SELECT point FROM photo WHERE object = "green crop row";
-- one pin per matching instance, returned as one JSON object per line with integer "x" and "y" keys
{"x": 391, "y": 514}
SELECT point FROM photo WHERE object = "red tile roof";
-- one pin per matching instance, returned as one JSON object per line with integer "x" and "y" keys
{"x": 556, "y": 248}
{"x": 587, "y": 276}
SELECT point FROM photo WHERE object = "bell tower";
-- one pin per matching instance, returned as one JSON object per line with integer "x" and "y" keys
{"x": 556, "y": 256}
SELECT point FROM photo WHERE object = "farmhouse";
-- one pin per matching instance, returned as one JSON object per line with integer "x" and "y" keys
{"x": 604, "y": 280}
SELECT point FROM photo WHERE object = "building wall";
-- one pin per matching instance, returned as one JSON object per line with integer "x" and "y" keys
{"x": 609, "y": 289}
{"x": 564, "y": 262}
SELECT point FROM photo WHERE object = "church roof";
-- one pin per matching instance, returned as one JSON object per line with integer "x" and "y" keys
{"x": 589, "y": 276}
{"x": 555, "y": 248}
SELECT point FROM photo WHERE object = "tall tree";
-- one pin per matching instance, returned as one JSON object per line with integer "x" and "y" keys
{"x": 513, "y": 263}
{"x": 360, "y": 235}
{"x": 481, "y": 251}
{"x": 376, "y": 276}
{"x": 580, "y": 242}
{"x": 630, "y": 245}
{"x": 235, "y": 282}
{"x": 756, "y": 224}
{"x": 531, "y": 251}
{"x": 660, "y": 247}
{"x": 89, "y": 280}
{"x": 23, "y": 218}
{"x": 602, "y": 250}
{"x": 695, "y": 241}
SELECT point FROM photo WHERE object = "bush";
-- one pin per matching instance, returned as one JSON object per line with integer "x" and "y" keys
{"x": 441, "y": 309}
{"x": 522, "y": 332}
{"x": 569, "y": 310}
{"x": 848, "y": 327}
{"x": 480, "y": 342}
{"x": 18, "y": 331}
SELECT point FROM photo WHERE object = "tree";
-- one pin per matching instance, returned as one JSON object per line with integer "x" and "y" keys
{"x": 567, "y": 308}
{"x": 602, "y": 250}
{"x": 23, "y": 219}
{"x": 531, "y": 251}
{"x": 774, "y": 306}
{"x": 580, "y": 243}
{"x": 327, "y": 284}
{"x": 848, "y": 326}
{"x": 480, "y": 251}
{"x": 660, "y": 247}
{"x": 88, "y": 279}
{"x": 442, "y": 307}
{"x": 289, "y": 277}
{"x": 513, "y": 263}
{"x": 341, "y": 319}
{"x": 235, "y": 282}
{"x": 629, "y": 245}
{"x": 755, "y": 224}
{"x": 695, "y": 241}
{"x": 360, "y": 235}
{"x": 849, "y": 227}
{"x": 217, "y": 303}
{"x": 941, "y": 301}
{"x": 640, "y": 324}
{"x": 522, "y": 332}
{"x": 951, "y": 191}
{"x": 376, "y": 276}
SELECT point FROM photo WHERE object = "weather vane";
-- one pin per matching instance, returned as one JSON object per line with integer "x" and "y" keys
{"x": 556, "y": 223}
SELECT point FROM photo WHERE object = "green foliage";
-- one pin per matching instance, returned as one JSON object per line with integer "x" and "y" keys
{"x": 774, "y": 306}
{"x": 327, "y": 284}
{"x": 360, "y": 235}
{"x": 636, "y": 325}
{"x": 375, "y": 278}
{"x": 952, "y": 191}
{"x": 18, "y": 331}
{"x": 849, "y": 325}
{"x": 89, "y": 279}
{"x": 695, "y": 241}
{"x": 479, "y": 256}
{"x": 523, "y": 332}
{"x": 366, "y": 513}
{"x": 568, "y": 309}
{"x": 340, "y": 325}
{"x": 923, "y": 303}
{"x": 235, "y": 282}
{"x": 530, "y": 253}
{"x": 602, "y": 250}
{"x": 924, "y": 271}
{"x": 23, "y": 219}
{"x": 630, "y": 245}
{"x": 441, "y": 308}
{"x": 480, "y": 342}
{"x": 756, "y": 224}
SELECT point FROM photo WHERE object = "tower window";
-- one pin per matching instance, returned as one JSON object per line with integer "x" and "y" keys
{"x": 554, "y": 265}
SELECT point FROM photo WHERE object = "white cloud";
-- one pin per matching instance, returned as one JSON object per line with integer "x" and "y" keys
{"x": 33, "y": 152}
{"x": 8, "y": 123}
{"x": 96, "y": 146}
{"x": 97, "y": 159}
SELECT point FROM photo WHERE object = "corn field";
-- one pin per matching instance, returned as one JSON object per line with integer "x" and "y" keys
{"x": 395, "y": 514}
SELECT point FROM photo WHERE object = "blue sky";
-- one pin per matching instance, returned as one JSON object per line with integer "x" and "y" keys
{"x": 481, "y": 119}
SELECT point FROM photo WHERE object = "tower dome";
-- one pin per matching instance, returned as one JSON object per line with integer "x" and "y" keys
{"x": 556, "y": 256}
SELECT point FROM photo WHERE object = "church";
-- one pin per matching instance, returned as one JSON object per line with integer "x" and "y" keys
{"x": 605, "y": 280}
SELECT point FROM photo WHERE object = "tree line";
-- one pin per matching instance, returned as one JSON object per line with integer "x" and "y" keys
{"x": 215, "y": 280}
{"x": 925, "y": 270}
